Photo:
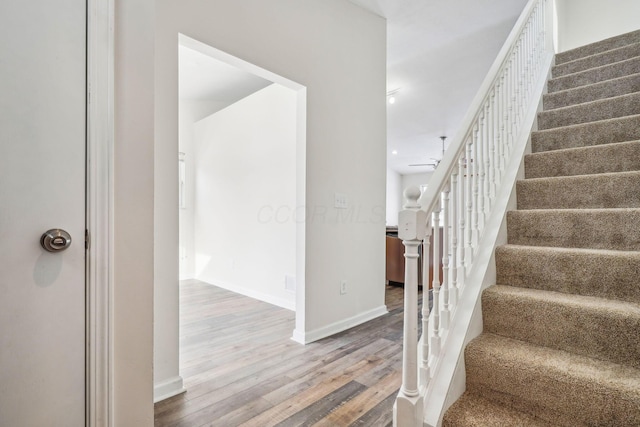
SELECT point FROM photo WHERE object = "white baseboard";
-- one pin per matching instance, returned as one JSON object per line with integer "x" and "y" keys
{"x": 280, "y": 302}
{"x": 168, "y": 388}
{"x": 342, "y": 325}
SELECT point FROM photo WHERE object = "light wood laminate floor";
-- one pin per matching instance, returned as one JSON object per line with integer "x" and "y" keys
{"x": 241, "y": 368}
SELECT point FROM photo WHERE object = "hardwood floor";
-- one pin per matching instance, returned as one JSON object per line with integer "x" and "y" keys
{"x": 241, "y": 368}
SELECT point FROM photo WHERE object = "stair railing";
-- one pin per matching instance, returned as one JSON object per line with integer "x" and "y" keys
{"x": 461, "y": 194}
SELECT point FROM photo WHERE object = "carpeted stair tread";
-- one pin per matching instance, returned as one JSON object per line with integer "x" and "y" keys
{"x": 562, "y": 388}
{"x": 615, "y": 157}
{"x": 591, "y": 272}
{"x": 602, "y": 109}
{"x": 598, "y": 47}
{"x": 596, "y": 60}
{"x": 606, "y": 190}
{"x": 595, "y": 75}
{"x": 533, "y": 316}
{"x": 587, "y": 134}
{"x": 616, "y": 229}
{"x": 606, "y": 89}
{"x": 472, "y": 410}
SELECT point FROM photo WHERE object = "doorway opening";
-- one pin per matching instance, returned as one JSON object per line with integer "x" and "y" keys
{"x": 242, "y": 152}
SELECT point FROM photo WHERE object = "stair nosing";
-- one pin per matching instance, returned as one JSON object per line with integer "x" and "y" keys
{"x": 560, "y": 249}
{"x": 588, "y": 123}
{"x": 602, "y": 82}
{"x": 582, "y": 176}
{"x": 563, "y": 354}
{"x": 604, "y": 52}
{"x": 573, "y": 149}
{"x": 633, "y": 58}
{"x": 587, "y": 302}
{"x": 583, "y": 104}
{"x": 497, "y": 407}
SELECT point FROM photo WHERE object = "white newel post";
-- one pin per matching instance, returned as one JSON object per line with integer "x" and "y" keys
{"x": 412, "y": 224}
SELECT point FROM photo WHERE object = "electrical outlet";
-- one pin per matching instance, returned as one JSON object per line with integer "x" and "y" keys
{"x": 289, "y": 283}
{"x": 343, "y": 287}
{"x": 341, "y": 201}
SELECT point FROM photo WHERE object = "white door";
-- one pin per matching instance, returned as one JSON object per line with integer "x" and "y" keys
{"x": 42, "y": 186}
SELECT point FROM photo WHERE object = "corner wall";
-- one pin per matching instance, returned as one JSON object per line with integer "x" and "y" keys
{"x": 133, "y": 175}
{"x": 338, "y": 52}
{"x": 394, "y": 196}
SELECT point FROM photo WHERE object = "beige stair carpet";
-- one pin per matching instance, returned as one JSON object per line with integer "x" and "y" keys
{"x": 561, "y": 340}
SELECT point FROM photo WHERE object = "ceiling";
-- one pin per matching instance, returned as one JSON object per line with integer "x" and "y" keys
{"x": 438, "y": 53}
{"x": 203, "y": 78}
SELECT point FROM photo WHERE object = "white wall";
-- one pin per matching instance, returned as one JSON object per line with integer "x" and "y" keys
{"x": 338, "y": 52}
{"x": 245, "y": 196}
{"x": 394, "y": 196}
{"x": 582, "y": 22}
{"x": 132, "y": 275}
{"x": 190, "y": 111}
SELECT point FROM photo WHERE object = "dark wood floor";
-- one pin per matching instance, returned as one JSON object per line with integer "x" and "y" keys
{"x": 240, "y": 366}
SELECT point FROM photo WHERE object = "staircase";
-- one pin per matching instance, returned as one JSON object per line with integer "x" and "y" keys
{"x": 561, "y": 340}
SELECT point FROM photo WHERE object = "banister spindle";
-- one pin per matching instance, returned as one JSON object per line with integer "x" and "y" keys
{"x": 502, "y": 125}
{"x": 446, "y": 224}
{"x": 455, "y": 223}
{"x": 486, "y": 155}
{"x": 477, "y": 185}
{"x": 465, "y": 216}
{"x": 472, "y": 195}
{"x": 435, "y": 284}
{"x": 425, "y": 373}
{"x": 492, "y": 147}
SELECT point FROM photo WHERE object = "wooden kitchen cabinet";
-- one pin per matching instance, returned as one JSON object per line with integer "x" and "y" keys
{"x": 395, "y": 258}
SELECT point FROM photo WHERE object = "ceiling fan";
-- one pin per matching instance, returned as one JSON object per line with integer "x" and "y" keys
{"x": 435, "y": 162}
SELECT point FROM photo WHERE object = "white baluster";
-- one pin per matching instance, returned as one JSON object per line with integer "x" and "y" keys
{"x": 425, "y": 373}
{"x": 446, "y": 286}
{"x": 523, "y": 78}
{"x": 492, "y": 147}
{"x": 455, "y": 223}
{"x": 472, "y": 195}
{"x": 408, "y": 408}
{"x": 486, "y": 155}
{"x": 512, "y": 102}
{"x": 497, "y": 135}
{"x": 465, "y": 214}
{"x": 435, "y": 284}
{"x": 505, "y": 121}
{"x": 502, "y": 124}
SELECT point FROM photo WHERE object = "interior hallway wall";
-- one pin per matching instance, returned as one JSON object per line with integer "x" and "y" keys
{"x": 190, "y": 112}
{"x": 245, "y": 196}
{"x": 133, "y": 198}
{"x": 581, "y": 22}
{"x": 338, "y": 52}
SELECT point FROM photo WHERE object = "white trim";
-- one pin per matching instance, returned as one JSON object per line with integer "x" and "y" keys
{"x": 280, "y": 302}
{"x": 336, "y": 327}
{"x": 100, "y": 137}
{"x": 168, "y": 388}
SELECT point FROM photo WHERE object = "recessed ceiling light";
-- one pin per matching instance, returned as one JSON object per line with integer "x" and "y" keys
{"x": 392, "y": 100}
{"x": 394, "y": 152}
